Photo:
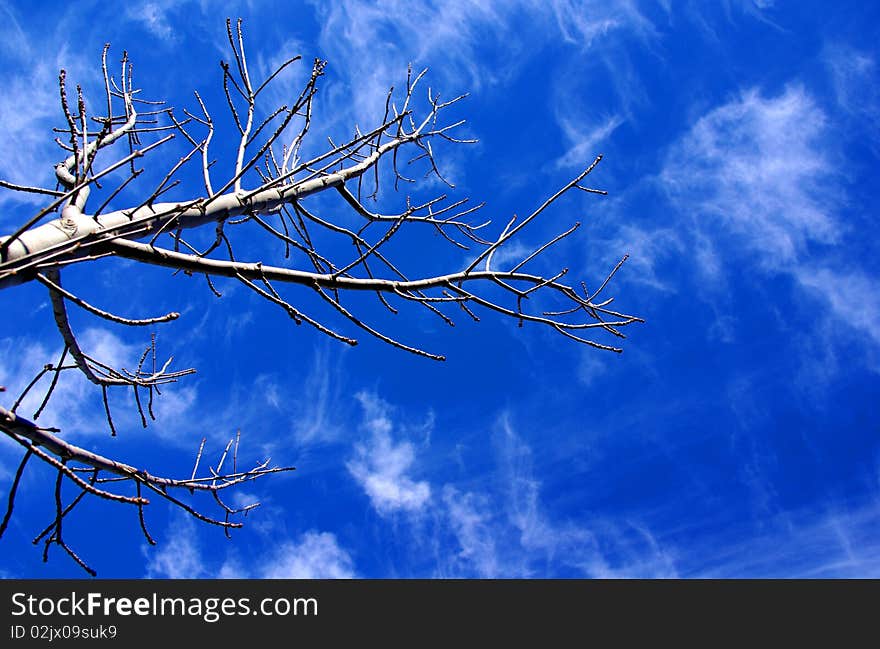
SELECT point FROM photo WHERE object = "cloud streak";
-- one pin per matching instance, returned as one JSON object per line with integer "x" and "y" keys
{"x": 750, "y": 166}
{"x": 311, "y": 555}
{"x": 469, "y": 44}
{"x": 314, "y": 555}
{"x": 179, "y": 556}
{"x": 382, "y": 466}
{"x": 759, "y": 175}
{"x": 503, "y": 528}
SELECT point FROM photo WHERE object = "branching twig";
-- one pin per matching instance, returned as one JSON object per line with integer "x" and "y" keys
{"x": 273, "y": 173}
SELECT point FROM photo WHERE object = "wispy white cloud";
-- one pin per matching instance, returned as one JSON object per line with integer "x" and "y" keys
{"x": 289, "y": 82}
{"x": 382, "y": 466}
{"x": 833, "y": 542}
{"x": 750, "y": 166}
{"x": 178, "y": 556}
{"x": 162, "y": 19}
{"x": 759, "y": 175}
{"x": 5, "y": 476}
{"x": 181, "y": 555}
{"x": 21, "y": 361}
{"x": 154, "y": 16}
{"x": 505, "y": 529}
{"x": 601, "y": 549}
{"x": 649, "y": 249}
{"x": 31, "y": 58}
{"x": 471, "y": 521}
{"x": 495, "y": 524}
{"x": 851, "y": 71}
{"x": 315, "y": 555}
{"x": 271, "y": 410}
{"x": 855, "y": 75}
{"x": 28, "y": 107}
{"x": 583, "y": 21}
{"x": 15, "y": 40}
{"x": 523, "y": 489}
{"x": 584, "y": 138}
{"x": 373, "y": 40}
{"x": 314, "y": 405}
{"x": 510, "y": 254}
{"x": 752, "y": 7}
{"x": 853, "y": 296}
{"x": 591, "y": 367}
{"x": 175, "y": 410}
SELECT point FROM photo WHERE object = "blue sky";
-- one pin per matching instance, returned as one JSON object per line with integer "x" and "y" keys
{"x": 734, "y": 437}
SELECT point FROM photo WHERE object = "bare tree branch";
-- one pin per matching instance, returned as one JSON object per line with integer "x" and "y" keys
{"x": 274, "y": 173}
